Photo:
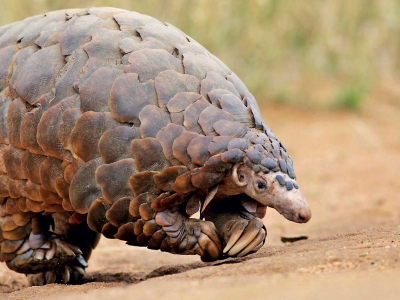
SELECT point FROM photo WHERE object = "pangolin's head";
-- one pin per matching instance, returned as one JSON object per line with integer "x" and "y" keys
{"x": 261, "y": 175}
{"x": 276, "y": 190}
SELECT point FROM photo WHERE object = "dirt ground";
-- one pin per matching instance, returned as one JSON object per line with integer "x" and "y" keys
{"x": 347, "y": 164}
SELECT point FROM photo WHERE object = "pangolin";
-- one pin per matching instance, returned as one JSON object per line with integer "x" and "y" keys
{"x": 113, "y": 123}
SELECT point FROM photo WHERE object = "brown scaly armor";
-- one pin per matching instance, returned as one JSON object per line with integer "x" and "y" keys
{"x": 113, "y": 122}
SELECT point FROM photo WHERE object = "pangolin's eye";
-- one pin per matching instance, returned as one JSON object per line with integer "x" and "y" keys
{"x": 260, "y": 185}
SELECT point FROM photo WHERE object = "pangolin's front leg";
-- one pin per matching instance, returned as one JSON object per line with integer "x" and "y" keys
{"x": 189, "y": 236}
{"x": 241, "y": 231}
{"x": 240, "y": 234}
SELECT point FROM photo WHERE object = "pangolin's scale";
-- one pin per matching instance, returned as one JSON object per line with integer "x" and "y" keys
{"x": 116, "y": 115}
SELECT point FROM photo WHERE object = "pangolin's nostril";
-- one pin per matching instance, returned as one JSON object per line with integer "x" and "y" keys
{"x": 302, "y": 218}
{"x": 304, "y": 215}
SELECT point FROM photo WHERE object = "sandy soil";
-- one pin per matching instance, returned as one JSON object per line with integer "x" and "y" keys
{"x": 347, "y": 165}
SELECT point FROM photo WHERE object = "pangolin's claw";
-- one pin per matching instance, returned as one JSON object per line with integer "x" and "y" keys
{"x": 51, "y": 276}
{"x": 51, "y": 252}
{"x": 204, "y": 235}
{"x": 244, "y": 236}
{"x": 79, "y": 269}
{"x": 210, "y": 230}
{"x": 247, "y": 236}
{"x": 210, "y": 248}
{"x": 81, "y": 260}
{"x": 42, "y": 278}
{"x": 255, "y": 244}
{"x": 39, "y": 254}
{"x": 37, "y": 279}
{"x": 66, "y": 275}
{"x": 235, "y": 230}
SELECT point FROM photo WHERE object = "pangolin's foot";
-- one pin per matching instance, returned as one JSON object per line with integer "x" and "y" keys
{"x": 48, "y": 260}
{"x": 66, "y": 274}
{"x": 243, "y": 236}
{"x": 241, "y": 233}
{"x": 189, "y": 236}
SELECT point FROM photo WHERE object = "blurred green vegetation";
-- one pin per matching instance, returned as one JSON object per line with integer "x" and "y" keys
{"x": 329, "y": 53}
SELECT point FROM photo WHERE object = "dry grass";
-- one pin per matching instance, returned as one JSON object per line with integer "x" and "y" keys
{"x": 315, "y": 53}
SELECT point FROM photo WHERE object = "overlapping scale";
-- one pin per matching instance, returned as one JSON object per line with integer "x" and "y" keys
{"x": 88, "y": 129}
{"x": 95, "y": 91}
{"x": 166, "y": 136}
{"x": 129, "y": 96}
{"x": 143, "y": 182}
{"x": 79, "y": 31}
{"x": 211, "y": 115}
{"x": 180, "y": 146}
{"x": 13, "y": 162}
{"x": 148, "y": 63}
{"x": 43, "y": 65}
{"x": 118, "y": 214}
{"x": 192, "y": 113}
{"x": 215, "y": 80}
{"x": 6, "y": 55}
{"x": 16, "y": 188}
{"x": 16, "y": 112}
{"x": 200, "y": 65}
{"x": 30, "y": 122}
{"x": 47, "y": 129}
{"x": 152, "y": 120}
{"x": 50, "y": 169}
{"x": 115, "y": 143}
{"x": 169, "y": 83}
{"x": 133, "y": 43}
{"x": 167, "y": 35}
{"x": 141, "y": 149}
{"x": 113, "y": 179}
{"x": 84, "y": 189}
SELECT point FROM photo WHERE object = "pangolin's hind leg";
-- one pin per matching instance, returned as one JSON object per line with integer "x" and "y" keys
{"x": 47, "y": 248}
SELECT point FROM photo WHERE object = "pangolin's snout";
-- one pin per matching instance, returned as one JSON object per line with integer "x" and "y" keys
{"x": 303, "y": 215}
{"x": 293, "y": 206}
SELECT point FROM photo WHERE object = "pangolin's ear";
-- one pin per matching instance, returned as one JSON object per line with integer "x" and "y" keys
{"x": 238, "y": 176}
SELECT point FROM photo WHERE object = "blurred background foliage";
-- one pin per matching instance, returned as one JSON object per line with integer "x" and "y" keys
{"x": 331, "y": 53}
